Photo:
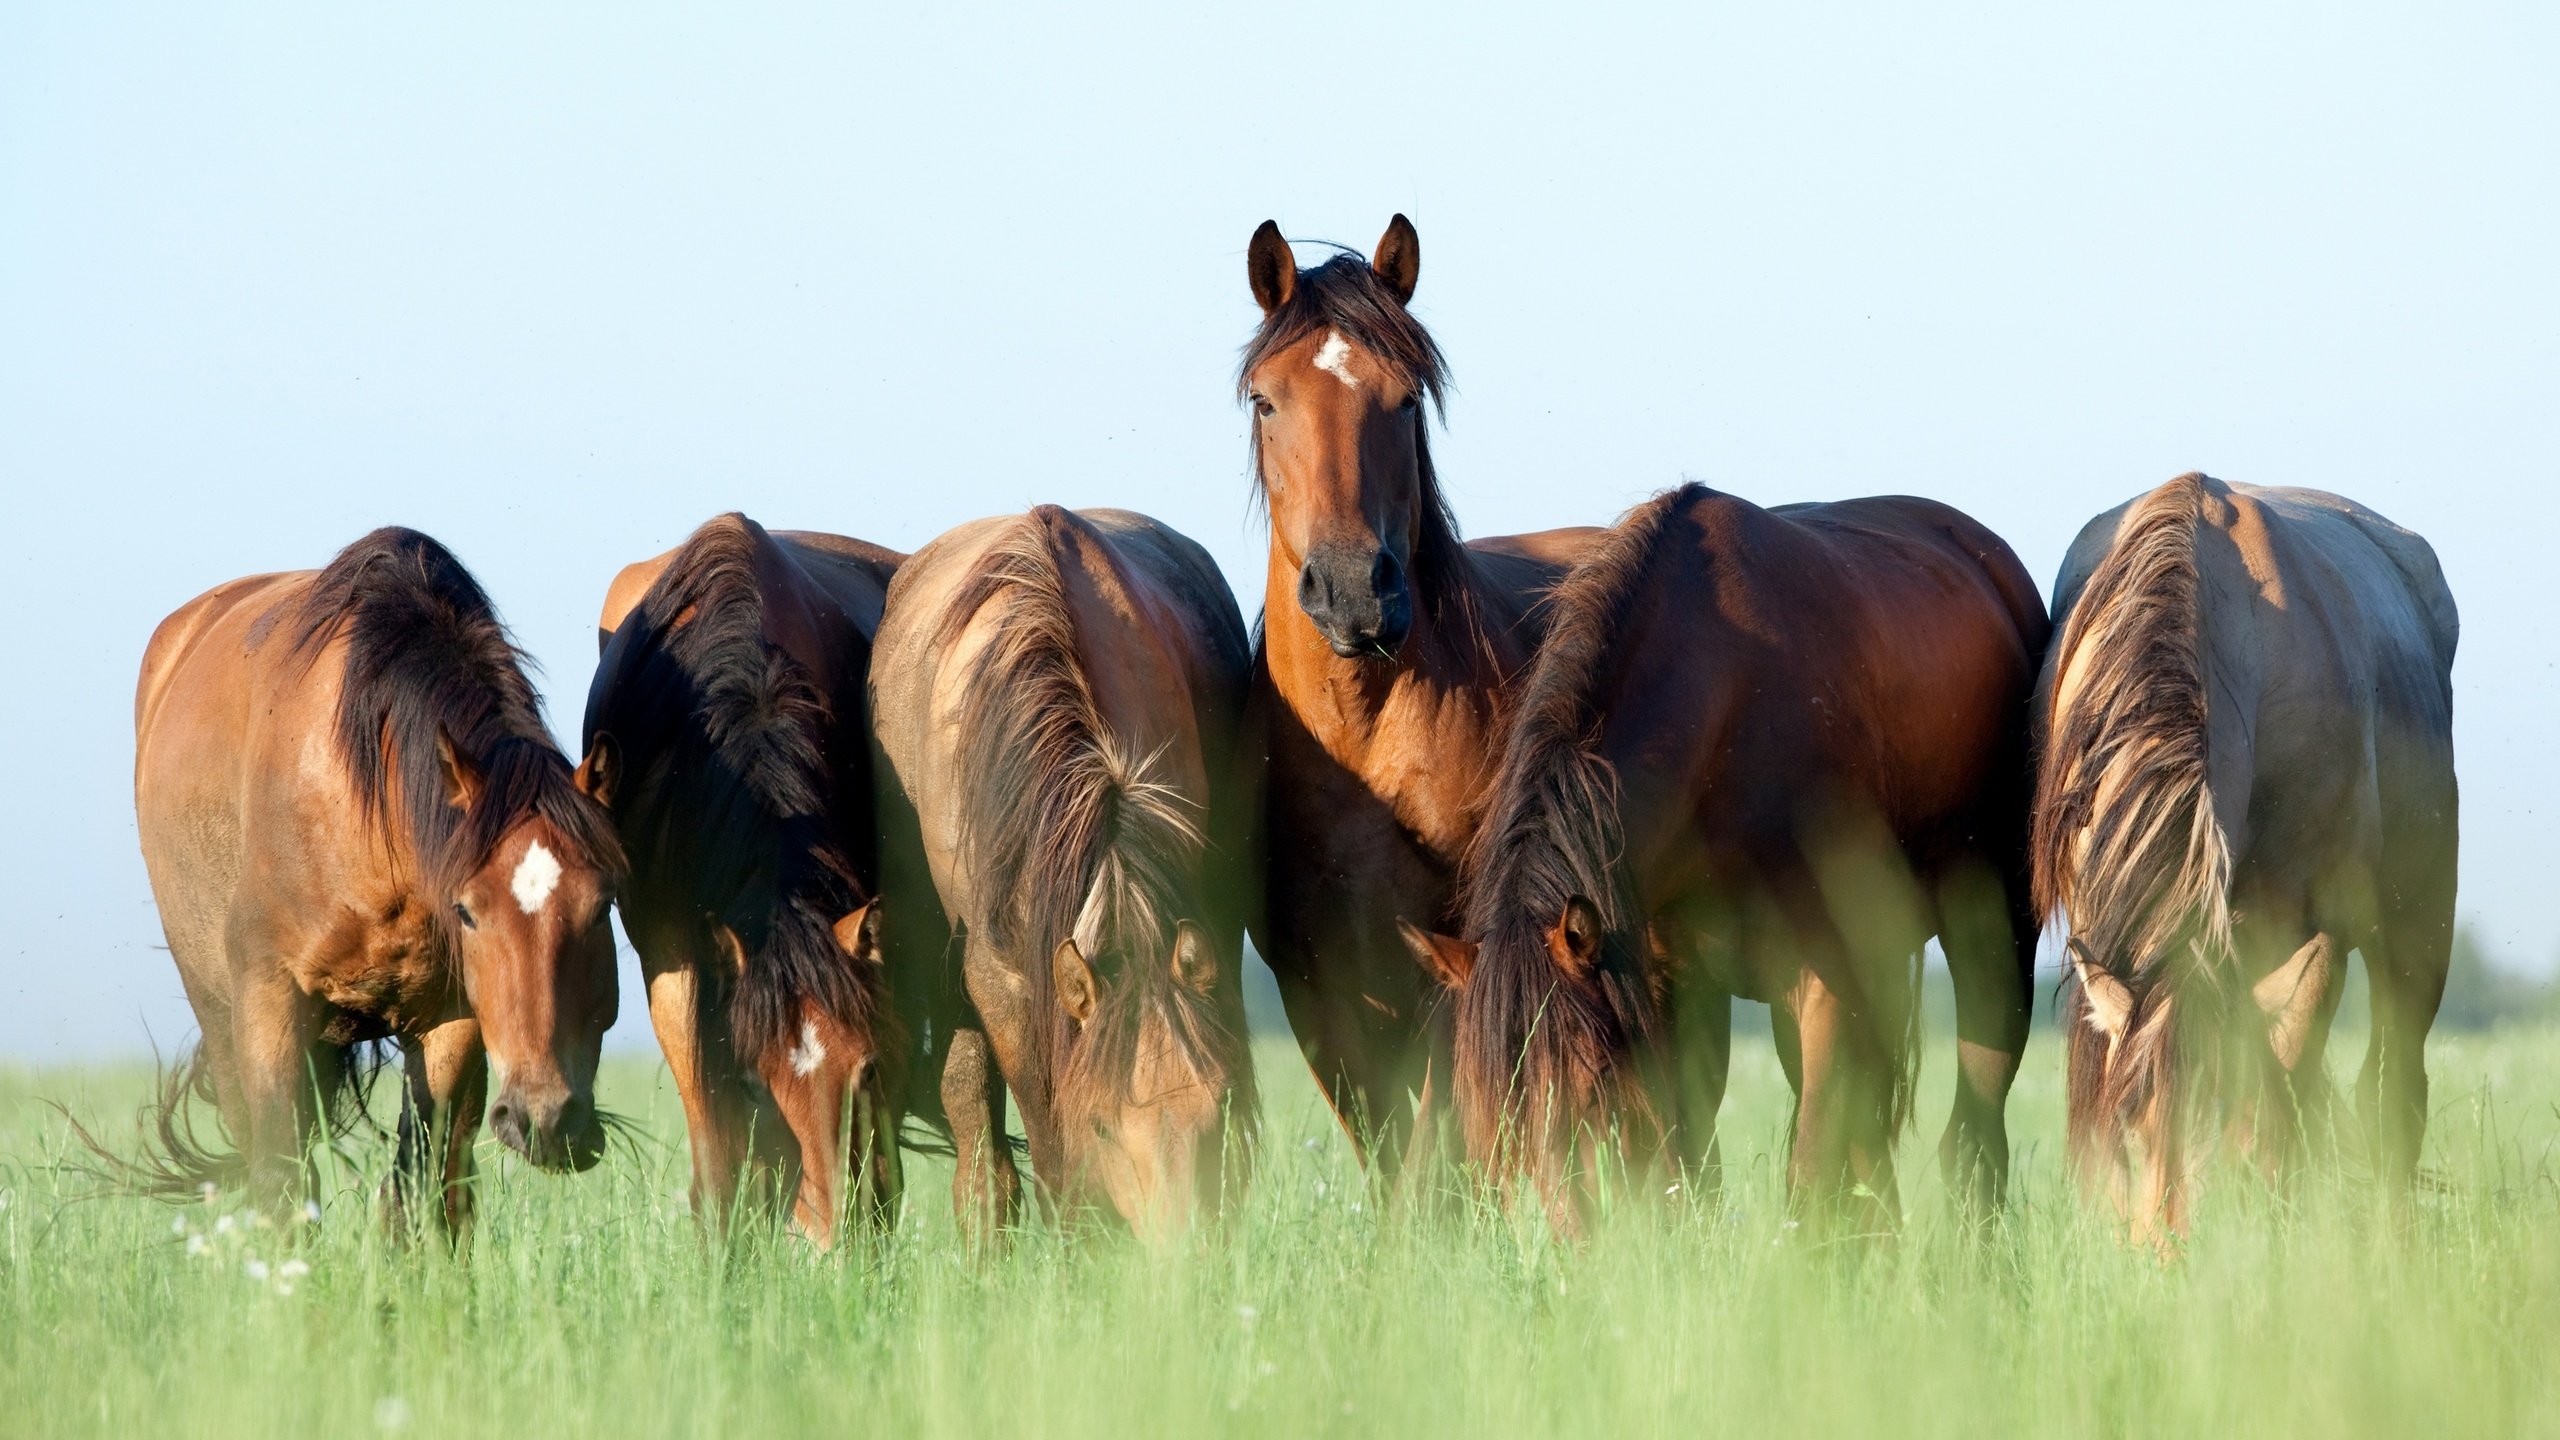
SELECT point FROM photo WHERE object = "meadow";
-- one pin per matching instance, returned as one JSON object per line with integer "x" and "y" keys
{"x": 592, "y": 1305}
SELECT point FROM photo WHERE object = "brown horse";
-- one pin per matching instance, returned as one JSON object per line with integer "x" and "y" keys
{"x": 729, "y": 734}
{"x": 1387, "y": 649}
{"x": 2248, "y": 771}
{"x": 357, "y": 829}
{"x": 1765, "y": 753}
{"x": 1058, "y": 699}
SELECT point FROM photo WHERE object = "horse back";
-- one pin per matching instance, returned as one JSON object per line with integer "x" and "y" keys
{"x": 1907, "y": 633}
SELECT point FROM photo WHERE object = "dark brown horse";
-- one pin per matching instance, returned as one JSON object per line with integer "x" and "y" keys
{"x": 729, "y": 734}
{"x": 1387, "y": 648}
{"x": 2248, "y": 771}
{"x": 1059, "y": 700}
{"x": 357, "y": 829}
{"x": 1763, "y": 753}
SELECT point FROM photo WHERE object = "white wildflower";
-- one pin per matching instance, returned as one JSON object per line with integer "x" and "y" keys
{"x": 1247, "y": 1314}
{"x": 222, "y": 1225}
{"x": 197, "y": 1245}
{"x": 294, "y": 1269}
{"x": 392, "y": 1413}
{"x": 310, "y": 1212}
{"x": 254, "y": 1268}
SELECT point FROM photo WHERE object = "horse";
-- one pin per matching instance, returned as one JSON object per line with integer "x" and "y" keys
{"x": 728, "y": 733}
{"x": 1386, "y": 652}
{"x": 357, "y": 830}
{"x": 1066, "y": 807}
{"x": 1763, "y": 752}
{"x": 2247, "y": 772}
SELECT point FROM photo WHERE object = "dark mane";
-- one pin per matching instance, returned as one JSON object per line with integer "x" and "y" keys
{"x": 1552, "y": 833}
{"x": 1066, "y": 830}
{"x": 1345, "y": 294}
{"x": 731, "y": 799}
{"x": 427, "y": 662}
{"x": 2148, "y": 901}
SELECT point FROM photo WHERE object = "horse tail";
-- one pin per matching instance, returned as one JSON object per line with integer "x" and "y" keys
{"x": 175, "y": 1160}
{"x": 2126, "y": 840}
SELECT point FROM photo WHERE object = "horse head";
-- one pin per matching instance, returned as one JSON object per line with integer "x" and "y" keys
{"x": 1337, "y": 377}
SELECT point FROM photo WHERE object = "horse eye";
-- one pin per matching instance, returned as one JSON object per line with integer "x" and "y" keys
{"x": 1411, "y": 401}
{"x": 1101, "y": 1131}
{"x": 462, "y": 913}
{"x": 1261, "y": 406}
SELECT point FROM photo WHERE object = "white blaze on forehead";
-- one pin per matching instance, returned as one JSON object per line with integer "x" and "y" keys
{"x": 806, "y": 1055}
{"x": 537, "y": 875}
{"x": 1334, "y": 358}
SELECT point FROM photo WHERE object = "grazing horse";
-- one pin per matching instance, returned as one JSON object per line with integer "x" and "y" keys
{"x": 1763, "y": 753}
{"x": 1387, "y": 649}
{"x": 728, "y": 733}
{"x": 2247, "y": 771}
{"x": 357, "y": 829}
{"x": 1057, "y": 699}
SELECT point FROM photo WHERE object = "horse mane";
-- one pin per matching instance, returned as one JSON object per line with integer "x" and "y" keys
{"x": 1346, "y": 294}
{"x": 427, "y": 661}
{"x": 1066, "y": 830}
{"x": 1552, "y": 833}
{"x": 729, "y": 799}
{"x": 2148, "y": 900}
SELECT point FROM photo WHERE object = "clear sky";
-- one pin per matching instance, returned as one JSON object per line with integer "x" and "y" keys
{"x": 555, "y": 287}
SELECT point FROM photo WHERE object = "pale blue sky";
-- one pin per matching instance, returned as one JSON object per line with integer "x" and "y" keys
{"x": 557, "y": 287}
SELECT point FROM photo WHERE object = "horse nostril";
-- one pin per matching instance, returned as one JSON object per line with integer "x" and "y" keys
{"x": 505, "y": 1120}
{"x": 1385, "y": 575}
{"x": 1307, "y": 587}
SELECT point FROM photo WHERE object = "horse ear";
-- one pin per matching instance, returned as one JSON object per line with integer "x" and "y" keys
{"x": 1447, "y": 958}
{"x": 1195, "y": 966}
{"x": 1575, "y": 940}
{"x": 2109, "y": 1000}
{"x": 1399, "y": 261}
{"x": 601, "y": 768}
{"x": 858, "y": 934}
{"x": 461, "y": 777}
{"x": 732, "y": 949}
{"x": 1270, "y": 268}
{"x": 1072, "y": 978}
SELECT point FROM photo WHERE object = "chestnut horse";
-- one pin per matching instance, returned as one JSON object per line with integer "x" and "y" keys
{"x": 1387, "y": 647}
{"x": 2248, "y": 771}
{"x": 728, "y": 733}
{"x": 357, "y": 829}
{"x": 1763, "y": 753}
{"x": 1058, "y": 699}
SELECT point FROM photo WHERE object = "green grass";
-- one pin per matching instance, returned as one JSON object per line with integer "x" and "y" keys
{"x": 591, "y": 1306}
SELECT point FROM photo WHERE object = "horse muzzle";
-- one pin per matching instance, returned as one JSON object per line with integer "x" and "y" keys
{"x": 1360, "y": 601}
{"x": 558, "y": 1134}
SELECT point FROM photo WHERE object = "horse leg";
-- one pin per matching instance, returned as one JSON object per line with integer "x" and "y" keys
{"x": 1700, "y": 1067}
{"x": 1841, "y": 1160}
{"x": 986, "y": 1189}
{"x": 2405, "y": 964}
{"x": 283, "y": 1066}
{"x": 444, "y": 1089}
{"x": 715, "y": 1121}
{"x": 1989, "y": 933}
{"x": 2296, "y": 999}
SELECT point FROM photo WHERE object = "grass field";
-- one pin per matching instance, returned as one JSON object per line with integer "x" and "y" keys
{"x": 590, "y": 1306}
